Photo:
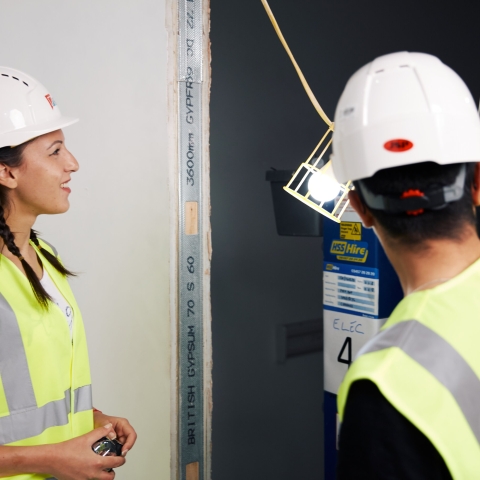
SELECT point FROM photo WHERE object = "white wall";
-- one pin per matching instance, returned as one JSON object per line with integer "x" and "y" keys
{"x": 105, "y": 61}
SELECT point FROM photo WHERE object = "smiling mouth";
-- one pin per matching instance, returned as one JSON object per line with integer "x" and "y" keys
{"x": 64, "y": 185}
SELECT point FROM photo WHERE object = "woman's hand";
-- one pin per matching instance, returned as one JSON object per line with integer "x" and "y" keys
{"x": 70, "y": 460}
{"x": 126, "y": 434}
{"x": 75, "y": 459}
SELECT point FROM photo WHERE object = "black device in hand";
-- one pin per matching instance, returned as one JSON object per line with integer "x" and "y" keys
{"x": 107, "y": 448}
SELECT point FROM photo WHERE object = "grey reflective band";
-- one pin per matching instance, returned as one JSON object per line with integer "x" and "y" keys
{"x": 440, "y": 359}
{"x": 434, "y": 199}
{"x": 26, "y": 419}
{"x": 83, "y": 399}
{"x": 15, "y": 374}
{"x": 34, "y": 421}
{"x": 30, "y": 423}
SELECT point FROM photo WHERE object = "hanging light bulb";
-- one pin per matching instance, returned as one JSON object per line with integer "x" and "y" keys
{"x": 324, "y": 194}
{"x": 320, "y": 189}
{"x": 322, "y": 184}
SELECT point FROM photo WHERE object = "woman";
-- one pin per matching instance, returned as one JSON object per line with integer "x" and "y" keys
{"x": 47, "y": 423}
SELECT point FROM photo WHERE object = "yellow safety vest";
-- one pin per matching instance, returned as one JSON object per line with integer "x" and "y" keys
{"x": 45, "y": 385}
{"x": 426, "y": 363}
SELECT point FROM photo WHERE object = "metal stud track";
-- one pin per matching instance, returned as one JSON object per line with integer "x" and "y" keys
{"x": 190, "y": 268}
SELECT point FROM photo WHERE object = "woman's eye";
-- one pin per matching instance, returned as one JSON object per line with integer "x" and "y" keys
{"x": 56, "y": 152}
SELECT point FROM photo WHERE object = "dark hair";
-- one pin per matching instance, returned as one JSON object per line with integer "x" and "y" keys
{"x": 446, "y": 223}
{"x": 12, "y": 157}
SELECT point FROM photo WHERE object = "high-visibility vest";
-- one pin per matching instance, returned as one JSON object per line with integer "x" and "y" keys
{"x": 45, "y": 385}
{"x": 426, "y": 363}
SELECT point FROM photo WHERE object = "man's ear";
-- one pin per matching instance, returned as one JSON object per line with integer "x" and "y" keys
{"x": 363, "y": 212}
{"x": 476, "y": 185}
{"x": 7, "y": 178}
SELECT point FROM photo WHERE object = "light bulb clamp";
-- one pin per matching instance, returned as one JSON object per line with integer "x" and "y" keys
{"x": 298, "y": 186}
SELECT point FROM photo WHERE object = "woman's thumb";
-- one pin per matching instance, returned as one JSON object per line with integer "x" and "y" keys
{"x": 105, "y": 431}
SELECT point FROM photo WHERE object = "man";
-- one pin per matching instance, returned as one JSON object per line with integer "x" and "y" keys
{"x": 408, "y": 134}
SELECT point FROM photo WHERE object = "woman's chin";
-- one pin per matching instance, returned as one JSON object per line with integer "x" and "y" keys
{"x": 57, "y": 210}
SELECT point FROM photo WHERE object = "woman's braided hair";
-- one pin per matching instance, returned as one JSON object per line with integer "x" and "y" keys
{"x": 12, "y": 157}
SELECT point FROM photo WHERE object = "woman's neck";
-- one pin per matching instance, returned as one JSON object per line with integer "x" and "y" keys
{"x": 20, "y": 226}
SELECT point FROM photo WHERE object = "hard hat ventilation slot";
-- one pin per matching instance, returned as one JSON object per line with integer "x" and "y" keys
{"x": 380, "y": 71}
{"x": 404, "y": 66}
{"x": 8, "y": 76}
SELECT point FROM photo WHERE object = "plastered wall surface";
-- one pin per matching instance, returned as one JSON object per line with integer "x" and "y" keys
{"x": 106, "y": 62}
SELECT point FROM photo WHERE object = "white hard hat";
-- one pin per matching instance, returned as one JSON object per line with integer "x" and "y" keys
{"x": 27, "y": 109}
{"x": 400, "y": 109}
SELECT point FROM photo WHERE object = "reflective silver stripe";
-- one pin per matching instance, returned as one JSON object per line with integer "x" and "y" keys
{"x": 25, "y": 418}
{"x": 83, "y": 399}
{"x": 33, "y": 422}
{"x": 14, "y": 371}
{"x": 55, "y": 251}
{"x": 437, "y": 356}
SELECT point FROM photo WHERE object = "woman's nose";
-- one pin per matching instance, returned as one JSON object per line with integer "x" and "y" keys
{"x": 72, "y": 164}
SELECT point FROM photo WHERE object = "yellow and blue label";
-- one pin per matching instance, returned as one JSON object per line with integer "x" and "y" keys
{"x": 349, "y": 251}
{"x": 351, "y": 231}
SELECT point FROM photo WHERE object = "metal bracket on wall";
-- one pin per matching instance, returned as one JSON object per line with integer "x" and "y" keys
{"x": 190, "y": 269}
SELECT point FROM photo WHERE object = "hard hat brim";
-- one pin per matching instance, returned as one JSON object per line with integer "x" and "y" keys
{"x": 22, "y": 135}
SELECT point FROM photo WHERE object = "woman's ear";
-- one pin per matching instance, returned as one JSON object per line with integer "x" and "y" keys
{"x": 7, "y": 178}
{"x": 363, "y": 212}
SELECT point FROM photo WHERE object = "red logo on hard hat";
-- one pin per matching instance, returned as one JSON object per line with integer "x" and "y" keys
{"x": 398, "y": 145}
{"x": 50, "y": 100}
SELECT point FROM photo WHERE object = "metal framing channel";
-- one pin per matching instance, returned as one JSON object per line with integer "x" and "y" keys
{"x": 191, "y": 435}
